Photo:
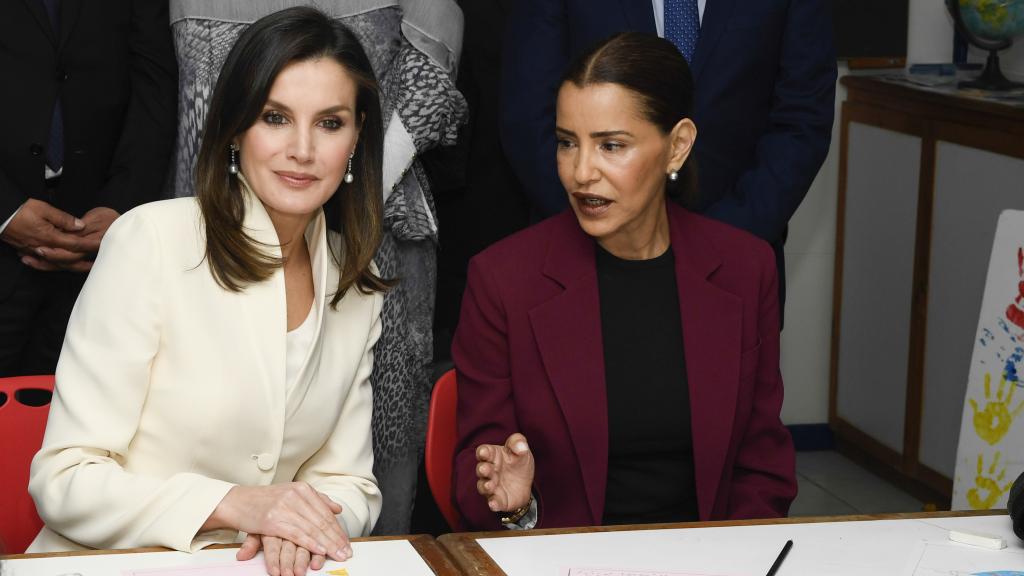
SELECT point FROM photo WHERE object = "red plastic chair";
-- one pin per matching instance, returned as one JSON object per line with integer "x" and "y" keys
{"x": 24, "y": 405}
{"x": 440, "y": 449}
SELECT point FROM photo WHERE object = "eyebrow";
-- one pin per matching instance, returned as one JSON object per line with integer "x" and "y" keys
{"x": 601, "y": 134}
{"x": 332, "y": 110}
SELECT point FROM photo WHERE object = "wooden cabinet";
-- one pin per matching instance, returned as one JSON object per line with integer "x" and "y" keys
{"x": 923, "y": 177}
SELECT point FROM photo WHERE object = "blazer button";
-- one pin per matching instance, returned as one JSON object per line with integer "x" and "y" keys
{"x": 35, "y": 150}
{"x": 264, "y": 462}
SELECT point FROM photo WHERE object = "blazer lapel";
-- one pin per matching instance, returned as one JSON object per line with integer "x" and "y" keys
{"x": 265, "y": 311}
{"x": 716, "y": 16}
{"x": 323, "y": 272}
{"x": 639, "y": 15}
{"x": 712, "y": 328}
{"x": 568, "y": 333}
{"x": 68, "y": 18}
{"x": 38, "y": 11}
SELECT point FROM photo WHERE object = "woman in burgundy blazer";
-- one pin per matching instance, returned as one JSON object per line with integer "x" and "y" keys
{"x": 533, "y": 414}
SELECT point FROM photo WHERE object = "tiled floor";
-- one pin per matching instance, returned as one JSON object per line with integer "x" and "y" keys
{"x": 831, "y": 484}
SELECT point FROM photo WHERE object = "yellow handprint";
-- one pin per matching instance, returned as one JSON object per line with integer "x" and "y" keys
{"x": 994, "y": 421}
{"x": 987, "y": 483}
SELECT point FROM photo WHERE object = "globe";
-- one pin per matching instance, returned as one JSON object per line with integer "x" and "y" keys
{"x": 995, "y": 20}
{"x": 990, "y": 25}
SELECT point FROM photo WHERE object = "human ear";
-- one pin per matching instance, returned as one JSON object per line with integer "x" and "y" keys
{"x": 359, "y": 128}
{"x": 681, "y": 140}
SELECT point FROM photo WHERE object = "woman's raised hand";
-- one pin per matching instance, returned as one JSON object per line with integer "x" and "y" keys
{"x": 505, "y": 473}
{"x": 294, "y": 512}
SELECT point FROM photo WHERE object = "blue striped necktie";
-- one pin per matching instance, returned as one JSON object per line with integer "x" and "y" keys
{"x": 682, "y": 25}
{"x": 55, "y": 147}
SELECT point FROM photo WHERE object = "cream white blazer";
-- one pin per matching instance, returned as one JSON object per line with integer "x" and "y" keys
{"x": 171, "y": 389}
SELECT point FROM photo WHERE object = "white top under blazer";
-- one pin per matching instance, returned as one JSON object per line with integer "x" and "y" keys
{"x": 170, "y": 390}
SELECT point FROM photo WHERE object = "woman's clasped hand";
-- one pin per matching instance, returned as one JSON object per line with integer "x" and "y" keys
{"x": 292, "y": 523}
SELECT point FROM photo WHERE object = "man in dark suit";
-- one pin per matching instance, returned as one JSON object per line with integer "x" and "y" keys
{"x": 90, "y": 101}
{"x": 765, "y": 75}
{"x": 479, "y": 200}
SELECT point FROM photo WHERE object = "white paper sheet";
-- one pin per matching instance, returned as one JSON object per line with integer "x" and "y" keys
{"x": 950, "y": 559}
{"x": 614, "y": 572}
{"x": 881, "y": 547}
{"x": 377, "y": 558}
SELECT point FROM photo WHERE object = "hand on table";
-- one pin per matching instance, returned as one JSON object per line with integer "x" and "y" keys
{"x": 292, "y": 512}
{"x": 282, "y": 557}
{"x": 505, "y": 473}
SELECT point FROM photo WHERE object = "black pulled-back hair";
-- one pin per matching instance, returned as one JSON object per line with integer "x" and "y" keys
{"x": 654, "y": 70}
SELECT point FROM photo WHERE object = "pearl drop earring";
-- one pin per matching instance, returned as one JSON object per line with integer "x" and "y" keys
{"x": 233, "y": 166}
{"x": 349, "y": 177}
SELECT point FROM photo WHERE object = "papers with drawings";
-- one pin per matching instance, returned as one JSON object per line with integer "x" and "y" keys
{"x": 611, "y": 572}
{"x": 253, "y": 567}
{"x": 988, "y": 455}
{"x": 250, "y": 568}
{"x": 950, "y": 559}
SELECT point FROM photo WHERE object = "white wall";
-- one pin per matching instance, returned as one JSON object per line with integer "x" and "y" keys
{"x": 810, "y": 257}
{"x": 929, "y": 32}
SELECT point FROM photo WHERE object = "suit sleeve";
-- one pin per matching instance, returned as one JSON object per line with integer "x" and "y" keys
{"x": 535, "y": 56}
{"x": 764, "y": 474}
{"x": 138, "y": 169}
{"x": 78, "y": 480}
{"x": 343, "y": 468}
{"x": 483, "y": 372}
{"x": 799, "y": 129}
{"x": 11, "y": 198}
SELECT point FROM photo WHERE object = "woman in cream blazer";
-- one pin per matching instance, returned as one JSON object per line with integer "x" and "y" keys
{"x": 170, "y": 391}
{"x": 171, "y": 387}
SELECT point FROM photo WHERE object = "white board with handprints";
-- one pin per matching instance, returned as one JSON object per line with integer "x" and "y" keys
{"x": 990, "y": 453}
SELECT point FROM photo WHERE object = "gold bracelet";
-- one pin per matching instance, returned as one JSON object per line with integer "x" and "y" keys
{"x": 516, "y": 515}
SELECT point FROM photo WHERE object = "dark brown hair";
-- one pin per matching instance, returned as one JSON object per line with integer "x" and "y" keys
{"x": 356, "y": 210}
{"x": 653, "y": 69}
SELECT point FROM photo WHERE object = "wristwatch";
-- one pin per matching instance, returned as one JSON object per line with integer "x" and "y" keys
{"x": 514, "y": 516}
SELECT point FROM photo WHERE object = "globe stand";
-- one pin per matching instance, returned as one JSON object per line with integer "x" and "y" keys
{"x": 992, "y": 77}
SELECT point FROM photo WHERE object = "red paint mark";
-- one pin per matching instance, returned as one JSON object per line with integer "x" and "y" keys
{"x": 1014, "y": 312}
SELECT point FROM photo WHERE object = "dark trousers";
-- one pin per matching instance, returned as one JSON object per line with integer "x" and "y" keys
{"x": 33, "y": 318}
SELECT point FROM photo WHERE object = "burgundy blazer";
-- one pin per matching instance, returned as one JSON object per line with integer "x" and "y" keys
{"x": 528, "y": 353}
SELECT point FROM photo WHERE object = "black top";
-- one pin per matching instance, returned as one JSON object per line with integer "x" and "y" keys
{"x": 650, "y": 445}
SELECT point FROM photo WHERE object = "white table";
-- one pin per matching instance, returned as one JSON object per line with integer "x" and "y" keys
{"x": 882, "y": 545}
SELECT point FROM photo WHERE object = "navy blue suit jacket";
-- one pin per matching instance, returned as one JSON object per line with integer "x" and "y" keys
{"x": 113, "y": 68}
{"x": 765, "y": 73}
